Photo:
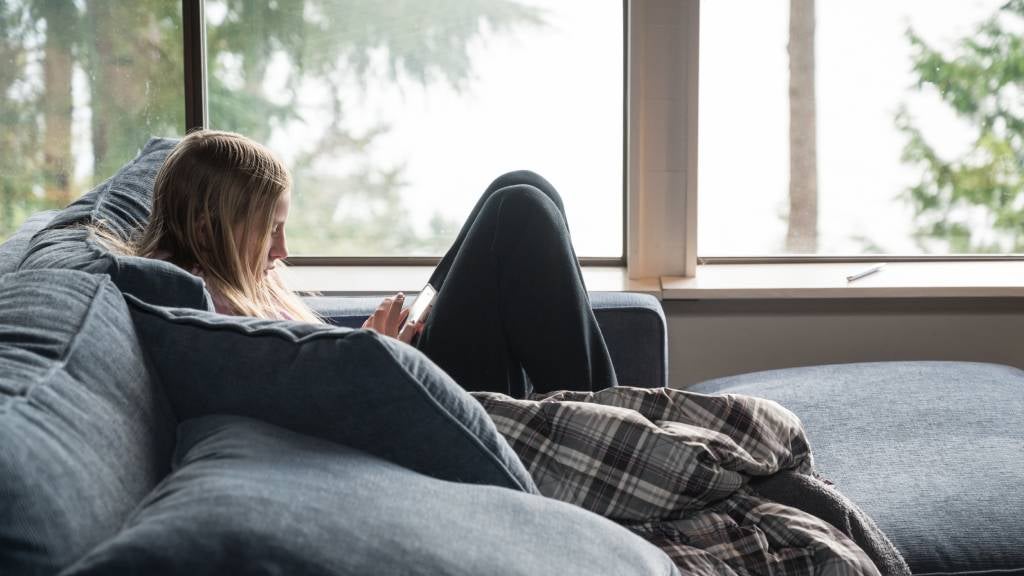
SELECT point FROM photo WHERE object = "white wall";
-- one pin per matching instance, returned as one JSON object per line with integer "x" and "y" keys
{"x": 708, "y": 339}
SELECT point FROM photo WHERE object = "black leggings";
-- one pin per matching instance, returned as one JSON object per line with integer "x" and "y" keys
{"x": 511, "y": 297}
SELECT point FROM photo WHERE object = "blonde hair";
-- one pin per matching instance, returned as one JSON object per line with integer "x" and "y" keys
{"x": 214, "y": 202}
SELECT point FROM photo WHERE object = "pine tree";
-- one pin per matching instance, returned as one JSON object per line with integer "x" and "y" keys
{"x": 973, "y": 203}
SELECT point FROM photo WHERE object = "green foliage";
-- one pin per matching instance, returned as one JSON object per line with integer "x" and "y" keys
{"x": 19, "y": 163}
{"x": 131, "y": 55}
{"x": 974, "y": 203}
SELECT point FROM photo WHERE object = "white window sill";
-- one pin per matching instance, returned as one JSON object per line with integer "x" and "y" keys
{"x": 363, "y": 280}
{"x": 991, "y": 279}
{"x": 1003, "y": 279}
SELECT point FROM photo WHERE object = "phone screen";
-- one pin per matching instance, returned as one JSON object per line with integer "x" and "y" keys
{"x": 420, "y": 306}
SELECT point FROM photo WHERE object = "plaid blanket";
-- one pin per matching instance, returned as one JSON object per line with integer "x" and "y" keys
{"x": 672, "y": 466}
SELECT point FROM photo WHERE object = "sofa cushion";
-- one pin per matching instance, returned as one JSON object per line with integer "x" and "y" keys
{"x": 353, "y": 387}
{"x": 154, "y": 281}
{"x": 122, "y": 204}
{"x": 930, "y": 450}
{"x": 84, "y": 434}
{"x": 251, "y": 498}
{"x": 13, "y": 249}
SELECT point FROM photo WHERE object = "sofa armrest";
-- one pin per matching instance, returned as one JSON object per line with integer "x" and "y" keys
{"x": 633, "y": 325}
{"x": 636, "y": 332}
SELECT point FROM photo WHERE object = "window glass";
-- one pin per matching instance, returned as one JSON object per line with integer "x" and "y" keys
{"x": 83, "y": 85}
{"x": 848, "y": 128}
{"x": 395, "y": 116}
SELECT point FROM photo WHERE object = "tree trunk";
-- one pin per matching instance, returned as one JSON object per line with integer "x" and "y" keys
{"x": 133, "y": 72}
{"x": 802, "y": 236}
{"x": 57, "y": 106}
{"x": 101, "y": 71}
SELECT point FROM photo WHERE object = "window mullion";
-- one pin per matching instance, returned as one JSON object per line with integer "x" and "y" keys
{"x": 194, "y": 40}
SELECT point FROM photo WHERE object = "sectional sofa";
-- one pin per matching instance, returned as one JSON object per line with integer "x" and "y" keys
{"x": 114, "y": 378}
{"x": 346, "y": 453}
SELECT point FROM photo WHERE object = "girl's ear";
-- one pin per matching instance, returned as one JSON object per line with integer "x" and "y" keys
{"x": 204, "y": 232}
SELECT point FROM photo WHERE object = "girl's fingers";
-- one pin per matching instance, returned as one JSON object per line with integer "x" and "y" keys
{"x": 369, "y": 323}
{"x": 388, "y": 316}
{"x": 408, "y": 331}
{"x": 394, "y": 316}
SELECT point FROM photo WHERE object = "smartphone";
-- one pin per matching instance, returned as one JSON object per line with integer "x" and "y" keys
{"x": 421, "y": 306}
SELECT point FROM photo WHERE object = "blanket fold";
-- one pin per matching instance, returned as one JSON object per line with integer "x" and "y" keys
{"x": 817, "y": 496}
{"x": 675, "y": 467}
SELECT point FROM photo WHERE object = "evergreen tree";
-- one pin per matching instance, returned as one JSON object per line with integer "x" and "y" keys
{"x": 973, "y": 203}
{"x": 131, "y": 56}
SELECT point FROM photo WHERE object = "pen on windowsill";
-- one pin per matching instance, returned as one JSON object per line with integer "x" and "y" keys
{"x": 865, "y": 272}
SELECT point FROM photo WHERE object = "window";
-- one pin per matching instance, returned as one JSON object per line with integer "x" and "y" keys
{"x": 395, "y": 116}
{"x": 854, "y": 128}
{"x": 83, "y": 85}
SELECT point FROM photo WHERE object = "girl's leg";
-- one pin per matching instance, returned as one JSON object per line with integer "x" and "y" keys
{"x": 511, "y": 296}
{"x": 505, "y": 180}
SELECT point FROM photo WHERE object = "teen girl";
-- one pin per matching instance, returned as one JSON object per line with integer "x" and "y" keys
{"x": 510, "y": 292}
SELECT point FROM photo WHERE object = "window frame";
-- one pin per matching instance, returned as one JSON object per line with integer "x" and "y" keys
{"x": 652, "y": 246}
{"x": 755, "y": 259}
{"x": 197, "y": 117}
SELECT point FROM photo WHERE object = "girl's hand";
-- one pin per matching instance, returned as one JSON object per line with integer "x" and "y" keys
{"x": 387, "y": 319}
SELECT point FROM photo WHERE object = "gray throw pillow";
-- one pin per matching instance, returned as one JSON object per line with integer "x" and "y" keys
{"x": 353, "y": 387}
{"x": 251, "y": 498}
{"x": 13, "y": 249}
{"x": 122, "y": 204}
{"x": 85, "y": 433}
{"x": 153, "y": 281}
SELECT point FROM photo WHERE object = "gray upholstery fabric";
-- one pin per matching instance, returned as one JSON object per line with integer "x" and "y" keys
{"x": 153, "y": 281}
{"x": 13, "y": 249}
{"x": 251, "y": 498}
{"x": 353, "y": 387}
{"x": 931, "y": 450}
{"x": 121, "y": 204}
{"x": 84, "y": 434}
{"x": 635, "y": 330}
{"x": 633, "y": 326}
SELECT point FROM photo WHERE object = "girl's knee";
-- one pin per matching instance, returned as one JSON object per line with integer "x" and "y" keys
{"x": 525, "y": 203}
{"x": 517, "y": 177}
{"x": 529, "y": 178}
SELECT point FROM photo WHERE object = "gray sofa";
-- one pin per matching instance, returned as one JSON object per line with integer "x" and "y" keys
{"x": 117, "y": 457}
{"x": 344, "y": 452}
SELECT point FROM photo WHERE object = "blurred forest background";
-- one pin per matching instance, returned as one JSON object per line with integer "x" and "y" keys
{"x": 982, "y": 81}
{"x": 85, "y": 83}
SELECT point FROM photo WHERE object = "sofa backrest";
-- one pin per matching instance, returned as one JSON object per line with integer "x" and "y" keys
{"x": 633, "y": 326}
{"x": 13, "y": 249}
{"x": 86, "y": 432}
{"x": 122, "y": 205}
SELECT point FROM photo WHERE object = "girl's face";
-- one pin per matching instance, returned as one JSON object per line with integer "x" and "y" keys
{"x": 278, "y": 247}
